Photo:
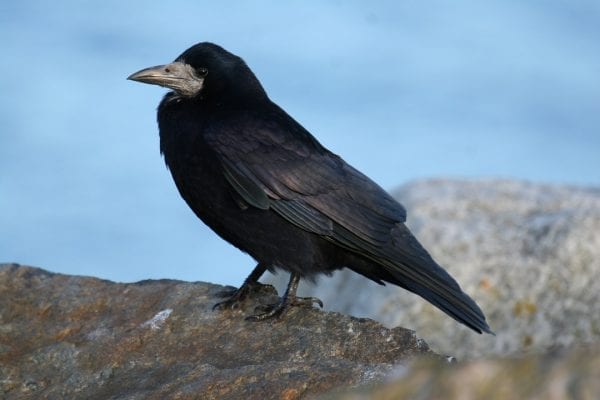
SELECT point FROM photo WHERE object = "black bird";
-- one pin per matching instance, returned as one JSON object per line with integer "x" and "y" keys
{"x": 263, "y": 183}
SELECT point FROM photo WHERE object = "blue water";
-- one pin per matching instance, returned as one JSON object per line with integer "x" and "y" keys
{"x": 402, "y": 90}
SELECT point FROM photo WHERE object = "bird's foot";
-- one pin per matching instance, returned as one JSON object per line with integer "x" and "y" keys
{"x": 234, "y": 297}
{"x": 276, "y": 310}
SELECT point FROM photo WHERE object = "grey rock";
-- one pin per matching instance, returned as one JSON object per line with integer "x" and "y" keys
{"x": 529, "y": 254}
{"x": 70, "y": 337}
{"x": 561, "y": 374}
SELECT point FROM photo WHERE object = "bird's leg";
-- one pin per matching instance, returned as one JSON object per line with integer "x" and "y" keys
{"x": 236, "y": 296}
{"x": 288, "y": 299}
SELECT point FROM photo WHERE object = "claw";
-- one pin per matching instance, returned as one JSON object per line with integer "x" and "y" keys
{"x": 237, "y": 296}
{"x": 307, "y": 301}
{"x": 264, "y": 308}
{"x": 289, "y": 299}
{"x": 271, "y": 311}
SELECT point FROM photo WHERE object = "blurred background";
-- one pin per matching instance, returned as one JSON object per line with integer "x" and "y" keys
{"x": 402, "y": 90}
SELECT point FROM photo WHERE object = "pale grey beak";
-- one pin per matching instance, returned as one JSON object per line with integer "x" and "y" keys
{"x": 178, "y": 76}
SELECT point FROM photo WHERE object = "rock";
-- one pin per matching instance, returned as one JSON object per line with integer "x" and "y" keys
{"x": 529, "y": 254}
{"x": 563, "y": 374}
{"x": 70, "y": 337}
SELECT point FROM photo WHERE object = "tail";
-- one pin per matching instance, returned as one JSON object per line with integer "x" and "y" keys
{"x": 407, "y": 264}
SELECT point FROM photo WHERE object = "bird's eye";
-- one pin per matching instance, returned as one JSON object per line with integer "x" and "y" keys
{"x": 202, "y": 72}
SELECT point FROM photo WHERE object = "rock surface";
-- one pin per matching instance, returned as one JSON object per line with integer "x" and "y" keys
{"x": 558, "y": 375}
{"x": 529, "y": 254}
{"x": 70, "y": 337}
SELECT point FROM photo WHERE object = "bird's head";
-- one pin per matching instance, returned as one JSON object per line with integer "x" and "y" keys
{"x": 204, "y": 70}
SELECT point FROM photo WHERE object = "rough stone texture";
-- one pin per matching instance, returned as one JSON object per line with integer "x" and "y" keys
{"x": 565, "y": 374}
{"x": 529, "y": 254}
{"x": 69, "y": 337}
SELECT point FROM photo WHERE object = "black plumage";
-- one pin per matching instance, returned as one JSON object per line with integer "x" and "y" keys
{"x": 266, "y": 185}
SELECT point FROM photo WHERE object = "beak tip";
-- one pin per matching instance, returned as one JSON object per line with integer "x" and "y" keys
{"x": 150, "y": 75}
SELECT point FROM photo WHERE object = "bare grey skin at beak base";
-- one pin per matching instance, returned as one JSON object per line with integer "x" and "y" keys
{"x": 178, "y": 76}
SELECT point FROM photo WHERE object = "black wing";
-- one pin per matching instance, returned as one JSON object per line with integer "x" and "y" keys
{"x": 275, "y": 163}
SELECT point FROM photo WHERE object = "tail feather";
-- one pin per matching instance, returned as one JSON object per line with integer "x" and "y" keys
{"x": 407, "y": 264}
{"x": 457, "y": 304}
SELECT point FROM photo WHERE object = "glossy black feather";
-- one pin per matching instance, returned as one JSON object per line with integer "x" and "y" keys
{"x": 265, "y": 184}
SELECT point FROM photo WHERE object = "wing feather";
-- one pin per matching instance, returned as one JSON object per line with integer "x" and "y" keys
{"x": 277, "y": 164}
